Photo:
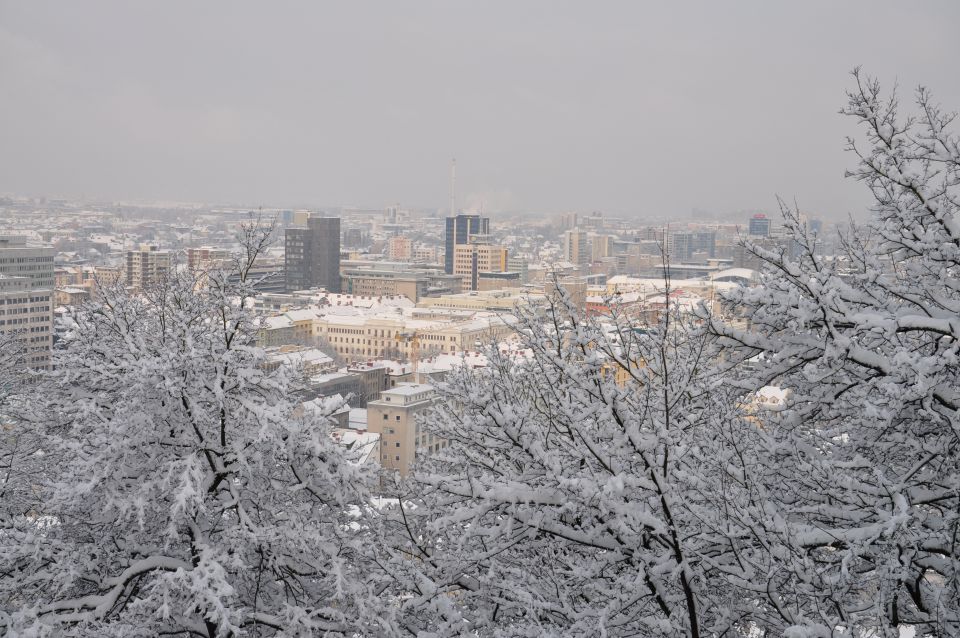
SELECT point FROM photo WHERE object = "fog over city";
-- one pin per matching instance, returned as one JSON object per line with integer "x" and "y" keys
{"x": 637, "y": 109}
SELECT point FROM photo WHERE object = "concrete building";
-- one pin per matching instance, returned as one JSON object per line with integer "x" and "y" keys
{"x": 359, "y": 338}
{"x": 312, "y": 255}
{"x": 498, "y": 280}
{"x": 471, "y": 259}
{"x": 490, "y": 300}
{"x": 458, "y": 231}
{"x": 20, "y": 258}
{"x": 399, "y": 248}
{"x": 759, "y": 226}
{"x": 414, "y": 284}
{"x": 395, "y": 418}
{"x": 576, "y": 247}
{"x": 26, "y": 299}
{"x": 206, "y": 256}
{"x": 147, "y": 266}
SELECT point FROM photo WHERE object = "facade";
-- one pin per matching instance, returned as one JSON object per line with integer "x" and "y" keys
{"x": 312, "y": 255}
{"x": 359, "y": 338}
{"x": 458, "y": 231}
{"x": 26, "y": 299}
{"x": 394, "y": 417}
{"x": 498, "y": 280}
{"x": 399, "y": 248}
{"x": 692, "y": 245}
{"x": 491, "y": 300}
{"x": 20, "y": 258}
{"x": 146, "y": 266}
{"x": 204, "y": 256}
{"x": 469, "y": 260}
{"x": 759, "y": 226}
{"x": 576, "y": 247}
{"x": 413, "y": 284}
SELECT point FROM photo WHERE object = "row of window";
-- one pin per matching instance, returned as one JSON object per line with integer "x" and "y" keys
{"x": 22, "y": 260}
{"x": 22, "y": 320}
{"x": 22, "y": 310}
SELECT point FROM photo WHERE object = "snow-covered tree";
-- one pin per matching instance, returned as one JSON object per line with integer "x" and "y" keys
{"x": 583, "y": 492}
{"x": 571, "y": 504}
{"x": 865, "y": 525}
{"x": 180, "y": 496}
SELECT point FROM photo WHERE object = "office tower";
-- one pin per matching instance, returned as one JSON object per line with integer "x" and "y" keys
{"x": 26, "y": 298}
{"x": 759, "y": 226}
{"x": 476, "y": 257}
{"x": 686, "y": 245}
{"x": 146, "y": 266}
{"x": 458, "y": 231}
{"x": 312, "y": 255}
{"x": 577, "y": 247}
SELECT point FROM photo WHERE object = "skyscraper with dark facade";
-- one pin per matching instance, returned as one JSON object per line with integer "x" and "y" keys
{"x": 458, "y": 231}
{"x": 312, "y": 255}
{"x": 759, "y": 226}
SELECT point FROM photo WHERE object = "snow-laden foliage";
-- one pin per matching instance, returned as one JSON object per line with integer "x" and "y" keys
{"x": 180, "y": 495}
{"x": 869, "y": 514}
{"x": 585, "y": 488}
{"x": 670, "y": 503}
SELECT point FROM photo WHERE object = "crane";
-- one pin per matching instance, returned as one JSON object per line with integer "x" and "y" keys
{"x": 413, "y": 339}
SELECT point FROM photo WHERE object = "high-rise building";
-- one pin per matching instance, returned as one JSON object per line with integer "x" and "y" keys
{"x": 474, "y": 258}
{"x": 399, "y": 248}
{"x": 26, "y": 298}
{"x": 683, "y": 245}
{"x": 759, "y": 226}
{"x": 146, "y": 266}
{"x": 312, "y": 255}
{"x": 459, "y": 229}
{"x": 394, "y": 417}
{"x": 577, "y": 247}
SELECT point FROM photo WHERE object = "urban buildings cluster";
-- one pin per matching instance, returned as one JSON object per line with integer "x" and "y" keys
{"x": 368, "y": 307}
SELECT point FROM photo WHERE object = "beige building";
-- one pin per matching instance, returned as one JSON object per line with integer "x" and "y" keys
{"x": 471, "y": 259}
{"x": 146, "y": 266}
{"x": 576, "y": 247}
{"x": 358, "y": 338}
{"x": 399, "y": 248}
{"x": 371, "y": 281}
{"x": 492, "y": 300}
{"x": 205, "y": 256}
{"x": 395, "y": 418}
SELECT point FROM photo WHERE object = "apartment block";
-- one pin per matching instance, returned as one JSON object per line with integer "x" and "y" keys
{"x": 399, "y": 248}
{"x": 26, "y": 299}
{"x": 394, "y": 416}
{"x": 146, "y": 266}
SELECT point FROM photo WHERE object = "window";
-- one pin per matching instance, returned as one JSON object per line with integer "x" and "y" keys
{"x": 397, "y": 457}
{"x": 397, "y": 444}
{"x": 398, "y": 417}
{"x": 385, "y": 417}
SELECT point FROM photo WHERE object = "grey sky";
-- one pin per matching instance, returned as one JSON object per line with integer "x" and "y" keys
{"x": 630, "y": 107}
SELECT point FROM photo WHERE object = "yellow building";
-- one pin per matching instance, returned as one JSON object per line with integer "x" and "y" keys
{"x": 360, "y": 337}
{"x": 471, "y": 259}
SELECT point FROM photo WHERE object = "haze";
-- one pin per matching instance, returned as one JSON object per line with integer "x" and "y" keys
{"x": 636, "y": 109}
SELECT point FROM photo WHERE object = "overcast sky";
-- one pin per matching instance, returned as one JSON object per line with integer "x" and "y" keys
{"x": 632, "y": 107}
